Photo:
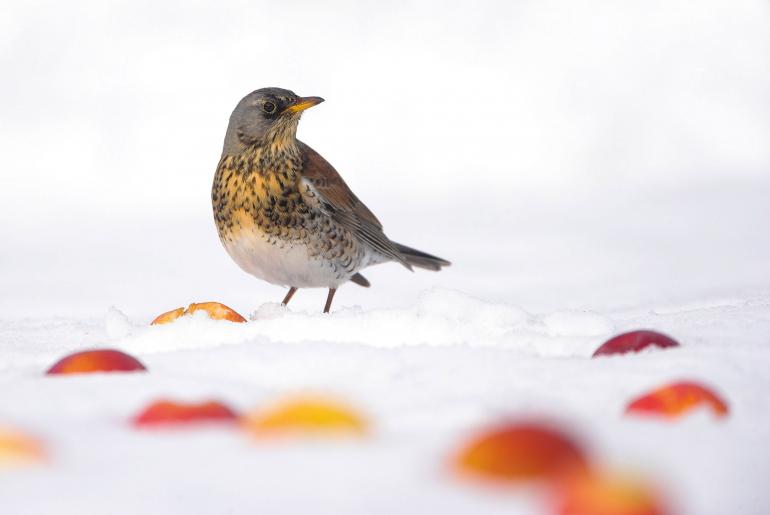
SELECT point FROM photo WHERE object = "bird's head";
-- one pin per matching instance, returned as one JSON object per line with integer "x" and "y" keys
{"x": 267, "y": 116}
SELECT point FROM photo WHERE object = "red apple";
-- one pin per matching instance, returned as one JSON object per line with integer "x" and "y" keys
{"x": 634, "y": 342}
{"x": 168, "y": 413}
{"x": 676, "y": 399}
{"x": 607, "y": 495}
{"x": 104, "y": 360}
{"x": 515, "y": 452}
{"x": 307, "y": 415}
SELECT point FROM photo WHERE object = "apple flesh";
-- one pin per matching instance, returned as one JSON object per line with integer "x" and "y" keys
{"x": 677, "y": 399}
{"x": 306, "y": 416}
{"x": 635, "y": 341}
{"x": 604, "y": 495}
{"x": 170, "y": 413}
{"x": 214, "y": 310}
{"x": 516, "y": 452}
{"x": 168, "y": 316}
{"x": 104, "y": 360}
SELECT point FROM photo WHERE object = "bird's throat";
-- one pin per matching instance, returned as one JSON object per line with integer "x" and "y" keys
{"x": 282, "y": 137}
{"x": 278, "y": 156}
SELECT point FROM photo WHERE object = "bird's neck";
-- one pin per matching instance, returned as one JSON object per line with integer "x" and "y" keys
{"x": 278, "y": 142}
{"x": 277, "y": 156}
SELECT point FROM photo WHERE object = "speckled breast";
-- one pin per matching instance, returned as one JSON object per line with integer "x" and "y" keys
{"x": 277, "y": 232}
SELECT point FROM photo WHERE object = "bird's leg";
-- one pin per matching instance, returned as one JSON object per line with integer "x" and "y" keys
{"x": 329, "y": 299}
{"x": 288, "y": 296}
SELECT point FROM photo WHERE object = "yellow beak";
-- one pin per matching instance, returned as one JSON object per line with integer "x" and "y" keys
{"x": 303, "y": 103}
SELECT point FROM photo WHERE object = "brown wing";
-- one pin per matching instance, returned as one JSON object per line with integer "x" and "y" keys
{"x": 343, "y": 205}
{"x": 328, "y": 182}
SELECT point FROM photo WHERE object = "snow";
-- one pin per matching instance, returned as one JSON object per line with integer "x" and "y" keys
{"x": 588, "y": 170}
{"x": 439, "y": 318}
{"x": 427, "y": 377}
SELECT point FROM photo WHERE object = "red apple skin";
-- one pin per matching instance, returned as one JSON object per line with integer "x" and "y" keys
{"x": 635, "y": 341}
{"x": 103, "y": 360}
{"x": 676, "y": 399}
{"x": 607, "y": 495}
{"x": 515, "y": 452}
{"x": 167, "y": 413}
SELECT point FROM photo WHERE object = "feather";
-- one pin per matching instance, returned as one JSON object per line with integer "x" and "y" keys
{"x": 342, "y": 205}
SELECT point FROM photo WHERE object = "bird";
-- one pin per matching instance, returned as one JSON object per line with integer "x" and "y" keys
{"x": 284, "y": 214}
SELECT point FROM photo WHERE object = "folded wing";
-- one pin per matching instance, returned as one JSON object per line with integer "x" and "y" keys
{"x": 342, "y": 205}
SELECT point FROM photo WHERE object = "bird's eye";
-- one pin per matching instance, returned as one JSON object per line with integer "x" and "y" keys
{"x": 268, "y": 107}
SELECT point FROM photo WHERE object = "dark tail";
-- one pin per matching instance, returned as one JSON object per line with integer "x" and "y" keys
{"x": 360, "y": 280}
{"x": 421, "y": 259}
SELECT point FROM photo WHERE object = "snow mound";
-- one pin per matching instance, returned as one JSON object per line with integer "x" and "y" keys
{"x": 440, "y": 317}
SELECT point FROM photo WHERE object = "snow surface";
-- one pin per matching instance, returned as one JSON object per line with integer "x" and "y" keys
{"x": 588, "y": 169}
{"x": 427, "y": 376}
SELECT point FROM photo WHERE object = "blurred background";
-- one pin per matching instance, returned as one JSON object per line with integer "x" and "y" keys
{"x": 596, "y": 155}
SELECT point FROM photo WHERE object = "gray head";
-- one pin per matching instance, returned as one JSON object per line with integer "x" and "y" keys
{"x": 266, "y": 116}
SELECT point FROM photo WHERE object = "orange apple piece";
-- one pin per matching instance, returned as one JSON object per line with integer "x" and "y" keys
{"x": 168, "y": 316}
{"x": 676, "y": 399}
{"x": 169, "y": 413}
{"x": 310, "y": 415}
{"x": 102, "y": 360}
{"x": 635, "y": 341}
{"x": 521, "y": 451}
{"x": 215, "y": 311}
{"x": 607, "y": 495}
{"x": 17, "y": 448}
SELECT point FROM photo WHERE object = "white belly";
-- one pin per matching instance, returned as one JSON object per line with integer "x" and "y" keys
{"x": 281, "y": 263}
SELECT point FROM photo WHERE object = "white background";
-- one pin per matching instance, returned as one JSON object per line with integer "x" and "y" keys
{"x": 534, "y": 123}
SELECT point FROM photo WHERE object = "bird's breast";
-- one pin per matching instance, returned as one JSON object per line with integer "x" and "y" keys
{"x": 274, "y": 259}
{"x": 271, "y": 232}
